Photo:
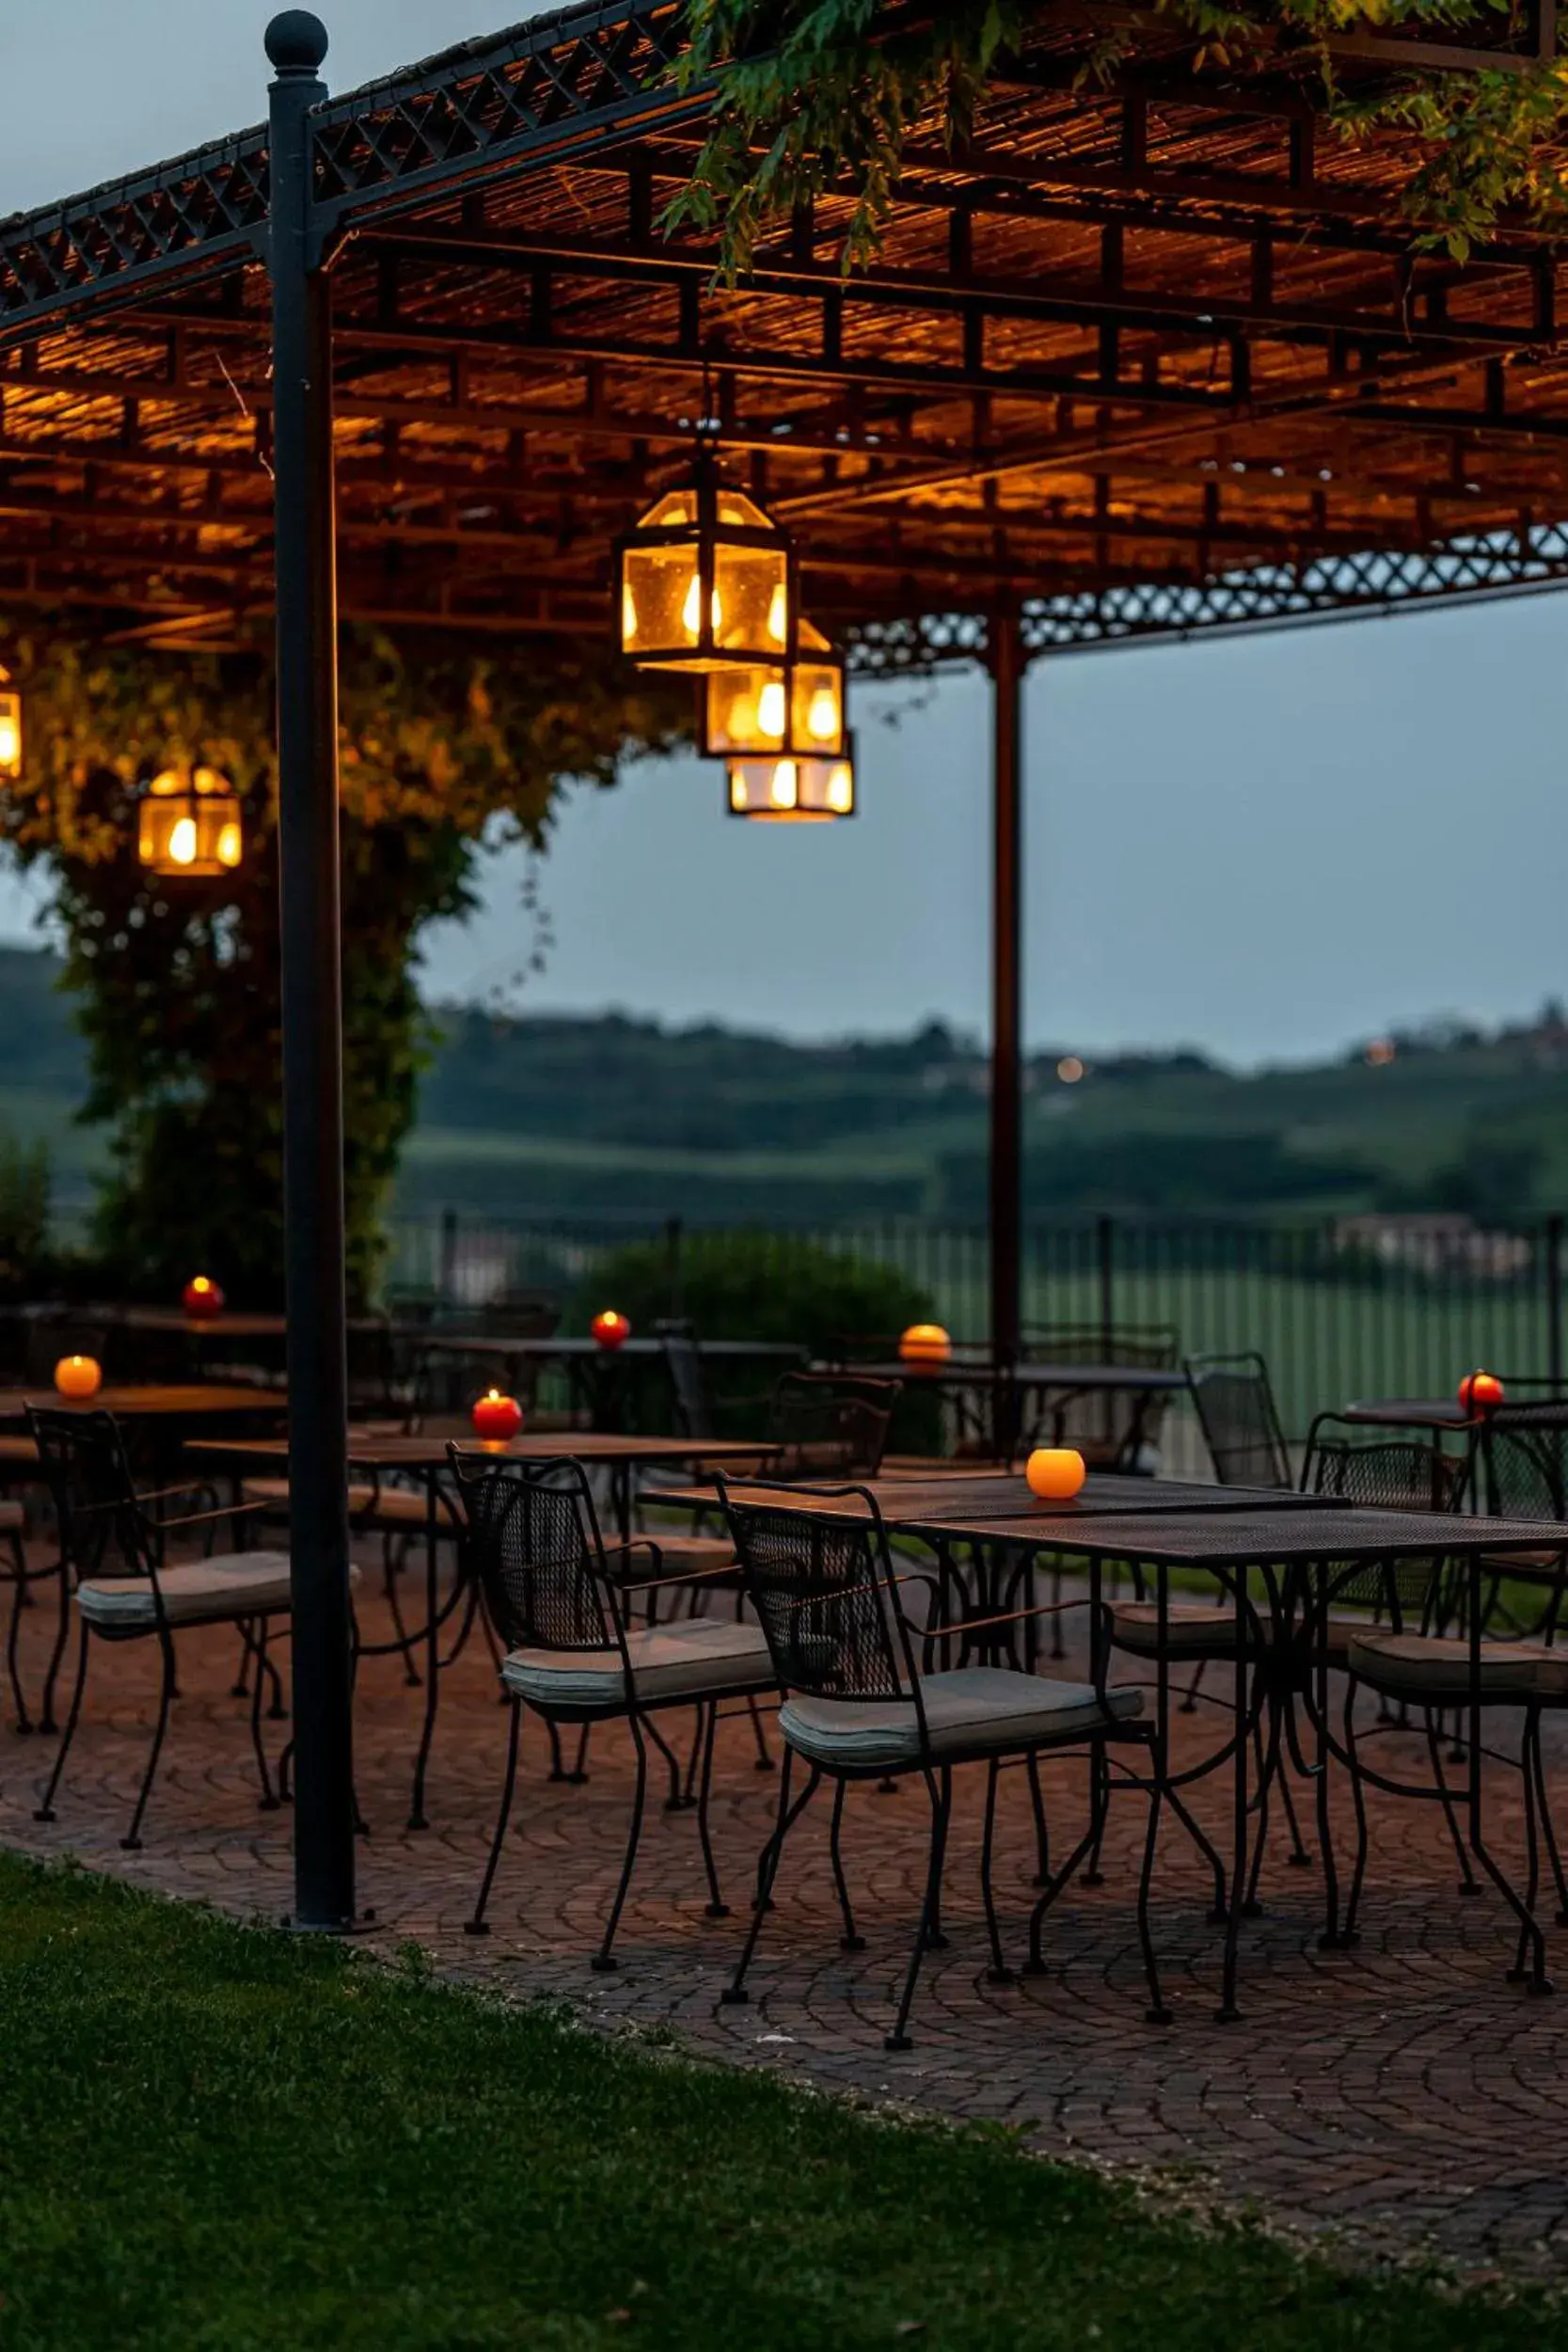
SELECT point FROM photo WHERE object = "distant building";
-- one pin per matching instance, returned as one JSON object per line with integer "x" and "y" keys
{"x": 1435, "y": 1241}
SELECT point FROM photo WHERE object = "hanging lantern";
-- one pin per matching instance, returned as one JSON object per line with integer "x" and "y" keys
{"x": 706, "y": 581}
{"x": 190, "y": 823}
{"x": 795, "y": 707}
{"x": 10, "y": 730}
{"x": 804, "y": 790}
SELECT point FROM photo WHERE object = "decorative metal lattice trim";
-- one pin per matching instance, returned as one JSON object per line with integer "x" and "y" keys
{"x": 202, "y": 208}
{"x": 1471, "y": 570}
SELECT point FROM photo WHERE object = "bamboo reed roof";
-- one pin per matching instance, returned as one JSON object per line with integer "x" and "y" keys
{"x": 1149, "y": 356}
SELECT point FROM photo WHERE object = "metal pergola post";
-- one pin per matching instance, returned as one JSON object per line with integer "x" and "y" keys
{"x": 1006, "y": 1024}
{"x": 313, "y": 992}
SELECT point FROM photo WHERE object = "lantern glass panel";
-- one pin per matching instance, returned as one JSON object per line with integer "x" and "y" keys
{"x": 10, "y": 733}
{"x": 791, "y": 790}
{"x": 751, "y": 600}
{"x": 196, "y": 832}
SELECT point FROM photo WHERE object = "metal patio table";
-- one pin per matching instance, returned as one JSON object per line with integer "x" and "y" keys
{"x": 598, "y": 1375}
{"x": 1286, "y": 1541}
{"x": 426, "y": 1459}
{"x": 1007, "y": 1383}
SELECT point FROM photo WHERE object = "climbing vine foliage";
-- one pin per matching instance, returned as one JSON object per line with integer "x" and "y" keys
{"x": 444, "y": 751}
{"x": 818, "y": 95}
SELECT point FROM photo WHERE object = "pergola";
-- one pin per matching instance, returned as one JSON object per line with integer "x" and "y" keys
{"x": 1153, "y": 355}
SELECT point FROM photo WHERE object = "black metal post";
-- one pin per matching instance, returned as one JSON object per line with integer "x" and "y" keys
{"x": 1007, "y": 1045}
{"x": 1554, "y": 1301}
{"x": 313, "y": 992}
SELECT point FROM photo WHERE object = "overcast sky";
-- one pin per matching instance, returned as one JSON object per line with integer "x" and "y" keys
{"x": 1264, "y": 847}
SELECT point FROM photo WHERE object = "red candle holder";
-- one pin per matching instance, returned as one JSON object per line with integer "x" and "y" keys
{"x": 610, "y": 1328}
{"x": 497, "y": 1418}
{"x": 202, "y": 1299}
{"x": 1480, "y": 1392}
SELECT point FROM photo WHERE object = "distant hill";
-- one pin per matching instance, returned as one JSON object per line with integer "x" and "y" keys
{"x": 556, "y": 1116}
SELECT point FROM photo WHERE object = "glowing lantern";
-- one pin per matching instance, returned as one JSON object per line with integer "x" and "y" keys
{"x": 78, "y": 1376}
{"x": 497, "y": 1418}
{"x": 924, "y": 1344}
{"x": 706, "y": 580}
{"x": 803, "y": 791}
{"x": 1054, "y": 1472}
{"x": 610, "y": 1328}
{"x": 189, "y": 824}
{"x": 202, "y": 1299}
{"x": 795, "y": 707}
{"x": 1480, "y": 1392}
{"x": 10, "y": 730}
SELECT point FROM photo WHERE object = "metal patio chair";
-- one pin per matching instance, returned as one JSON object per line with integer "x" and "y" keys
{"x": 1114, "y": 1429}
{"x": 861, "y": 1701}
{"x": 125, "y": 1588}
{"x": 559, "y": 1602}
{"x": 1234, "y": 1401}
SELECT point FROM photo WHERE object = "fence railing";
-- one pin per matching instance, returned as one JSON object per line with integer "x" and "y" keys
{"x": 1355, "y": 1307}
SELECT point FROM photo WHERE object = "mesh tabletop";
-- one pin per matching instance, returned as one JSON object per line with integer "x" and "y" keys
{"x": 951, "y": 1505}
{"x": 604, "y": 1448}
{"x": 1239, "y": 1538}
{"x": 1154, "y": 1379}
{"x": 192, "y": 1400}
{"x": 1409, "y": 1412}
{"x": 553, "y": 1347}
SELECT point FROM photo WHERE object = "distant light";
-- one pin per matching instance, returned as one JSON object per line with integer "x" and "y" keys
{"x": 1381, "y": 1052}
{"x": 1069, "y": 1070}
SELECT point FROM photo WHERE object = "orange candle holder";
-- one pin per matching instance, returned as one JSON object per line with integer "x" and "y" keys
{"x": 1054, "y": 1472}
{"x": 78, "y": 1377}
{"x": 924, "y": 1344}
{"x": 497, "y": 1418}
{"x": 202, "y": 1299}
{"x": 611, "y": 1329}
{"x": 1480, "y": 1392}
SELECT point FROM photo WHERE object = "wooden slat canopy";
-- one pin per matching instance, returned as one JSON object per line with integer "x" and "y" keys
{"x": 1150, "y": 356}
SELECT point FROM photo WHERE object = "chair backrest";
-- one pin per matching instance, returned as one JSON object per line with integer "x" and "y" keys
{"x": 1240, "y": 1426}
{"x": 534, "y": 1542}
{"x": 825, "y": 1597}
{"x": 683, "y": 1359}
{"x": 1385, "y": 1474}
{"x": 103, "y": 1529}
{"x": 1524, "y": 1451}
{"x": 830, "y": 1425}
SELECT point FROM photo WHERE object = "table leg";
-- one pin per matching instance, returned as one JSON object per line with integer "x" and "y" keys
{"x": 416, "y": 1816}
{"x": 1318, "y": 1606}
{"x": 1228, "y": 2011}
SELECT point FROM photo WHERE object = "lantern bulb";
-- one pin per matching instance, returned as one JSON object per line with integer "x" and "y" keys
{"x": 10, "y": 745}
{"x": 738, "y": 788}
{"x": 228, "y": 846}
{"x": 770, "y": 709}
{"x": 691, "y": 611}
{"x": 629, "y": 618}
{"x": 778, "y": 614}
{"x": 841, "y": 789}
{"x": 822, "y": 715}
{"x": 785, "y": 789}
{"x": 182, "y": 842}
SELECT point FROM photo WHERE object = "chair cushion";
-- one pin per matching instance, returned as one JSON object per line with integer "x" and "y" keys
{"x": 970, "y": 1708}
{"x": 1525, "y": 1568}
{"x": 18, "y": 1454}
{"x": 1198, "y": 1628}
{"x": 690, "y": 1555}
{"x": 698, "y": 1658}
{"x": 12, "y": 1518}
{"x": 238, "y": 1584}
{"x": 1440, "y": 1664}
{"x": 393, "y": 1507}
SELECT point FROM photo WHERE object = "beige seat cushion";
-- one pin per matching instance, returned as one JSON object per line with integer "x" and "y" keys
{"x": 393, "y": 1506}
{"x": 1197, "y": 1628}
{"x": 698, "y": 1658}
{"x": 18, "y": 1454}
{"x": 237, "y": 1584}
{"x": 690, "y": 1555}
{"x": 1524, "y": 1567}
{"x": 970, "y": 1708}
{"x": 1413, "y": 1663}
{"x": 12, "y": 1518}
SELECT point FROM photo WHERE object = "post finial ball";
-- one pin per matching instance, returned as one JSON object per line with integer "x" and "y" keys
{"x": 296, "y": 41}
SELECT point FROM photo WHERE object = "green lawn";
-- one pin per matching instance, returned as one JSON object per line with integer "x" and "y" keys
{"x": 226, "y": 2139}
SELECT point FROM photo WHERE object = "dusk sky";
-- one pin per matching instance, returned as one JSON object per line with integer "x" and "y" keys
{"x": 1265, "y": 847}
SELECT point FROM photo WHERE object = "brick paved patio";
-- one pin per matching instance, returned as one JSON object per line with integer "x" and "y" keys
{"x": 1401, "y": 2099}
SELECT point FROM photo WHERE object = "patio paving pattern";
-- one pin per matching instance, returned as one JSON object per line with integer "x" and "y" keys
{"x": 1398, "y": 2101}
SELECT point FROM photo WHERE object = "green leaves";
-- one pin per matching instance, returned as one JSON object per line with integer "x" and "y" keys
{"x": 819, "y": 97}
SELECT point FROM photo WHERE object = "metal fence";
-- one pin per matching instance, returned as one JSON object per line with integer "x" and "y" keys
{"x": 1356, "y": 1306}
